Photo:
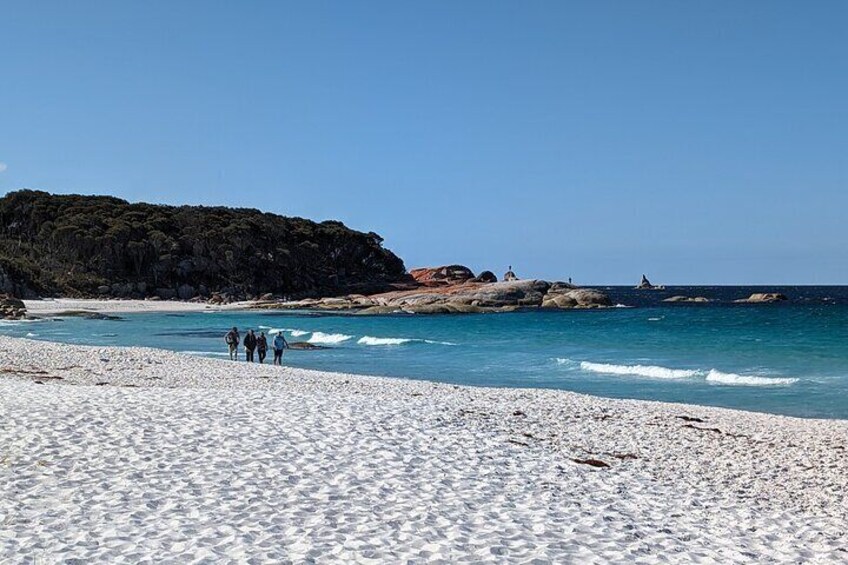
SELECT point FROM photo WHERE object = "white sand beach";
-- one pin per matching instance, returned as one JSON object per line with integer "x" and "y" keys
{"x": 54, "y": 306}
{"x": 127, "y": 455}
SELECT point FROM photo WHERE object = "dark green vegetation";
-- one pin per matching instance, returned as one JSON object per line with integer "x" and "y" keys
{"x": 98, "y": 245}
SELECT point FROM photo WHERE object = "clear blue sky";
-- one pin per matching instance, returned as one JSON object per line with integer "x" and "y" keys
{"x": 698, "y": 142}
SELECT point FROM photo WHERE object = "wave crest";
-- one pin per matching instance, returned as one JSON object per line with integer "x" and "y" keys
{"x": 639, "y": 370}
{"x": 273, "y": 331}
{"x": 656, "y": 372}
{"x": 368, "y": 340}
{"x": 748, "y": 380}
{"x": 321, "y": 337}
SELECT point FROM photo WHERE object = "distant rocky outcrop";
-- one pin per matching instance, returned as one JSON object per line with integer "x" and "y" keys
{"x": 509, "y": 275}
{"x": 441, "y": 276}
{"x": 763, "y": 298}
{"x": 562, "y": 295}
{"x": 699, "y": 299}
{"x": 464, "y": 297}
{"x": 645, "y": 284}
{"x": 11, "y": 308}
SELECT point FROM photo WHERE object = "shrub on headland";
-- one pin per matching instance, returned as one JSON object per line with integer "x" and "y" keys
{"x": 76, "y": 245}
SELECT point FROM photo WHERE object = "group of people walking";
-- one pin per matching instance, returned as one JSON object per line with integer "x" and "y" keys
{"x": 254, "y": 344}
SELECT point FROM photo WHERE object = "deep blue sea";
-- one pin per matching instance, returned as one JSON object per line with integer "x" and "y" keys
{"x": 787, "y": 358}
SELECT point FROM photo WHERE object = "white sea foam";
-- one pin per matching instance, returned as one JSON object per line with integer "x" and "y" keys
{"x": 207, "y": 353}
{"x": 294, "y": 333}
{"x": 657, "y": 372}
{"x": 30, "y": 334}
{"x": 321, "y": 337}
{"x": 18, "y": 322}
{"x": 368, "y": 340}
{"x": 622, "y": 306}
{"x": 639, "y": 370}
{"x": 747, "y": 380}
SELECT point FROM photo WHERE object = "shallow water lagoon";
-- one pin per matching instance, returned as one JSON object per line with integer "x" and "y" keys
{"x": 788, "y": 359}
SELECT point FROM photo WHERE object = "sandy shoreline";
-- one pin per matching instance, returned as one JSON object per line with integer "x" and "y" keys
{"x": 53, "y": 306}
{"x": 138, "y": 453}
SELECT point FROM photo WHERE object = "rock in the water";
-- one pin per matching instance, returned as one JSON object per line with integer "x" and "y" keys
{"x": 699, "y": 299}
{"x": 87, "y": 314}
{"x": 568, "y": 297}
{"x": 11, "y": 308}
{"x": 305, "y": 346}
{"x": 645, "y": 284}
{"x": 763, "y": 298}
{"x": 442, "y": 276}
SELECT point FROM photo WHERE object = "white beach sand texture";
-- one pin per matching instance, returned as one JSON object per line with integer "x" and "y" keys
{"x": 49, "y": 307}
{"x": 114, "y": 455}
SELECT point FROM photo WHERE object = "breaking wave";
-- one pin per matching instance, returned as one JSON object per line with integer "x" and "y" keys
{"x": 749, "y": 380}
{"x": 370, "y": 340}
{"x": 321, "y": 337}
{"x": 293, "y": 332}
{"x": 207, "y": 353}
{"x": 639, "y": 370}
{"x": 656, "y": 372}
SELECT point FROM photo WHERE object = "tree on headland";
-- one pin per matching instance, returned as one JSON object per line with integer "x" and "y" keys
{"x": 79, "y": 245}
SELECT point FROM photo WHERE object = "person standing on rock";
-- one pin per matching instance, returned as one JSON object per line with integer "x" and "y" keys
{"x": 280, "y": 344}
{"x": 232, "y": 338}
{"x": 249, "y": 346}
{"x": 262, "y": 346}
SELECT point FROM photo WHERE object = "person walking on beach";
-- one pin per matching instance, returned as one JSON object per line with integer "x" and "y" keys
{"x": 249, "y": 346}
{"x": 262, "y": 346}
{"x": 232, "y": 338}
{"x": 280, "y": 343}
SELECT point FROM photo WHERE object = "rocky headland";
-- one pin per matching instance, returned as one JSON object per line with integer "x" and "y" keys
{"x": 455, "y": 289}
{"x": 76, "y": 246}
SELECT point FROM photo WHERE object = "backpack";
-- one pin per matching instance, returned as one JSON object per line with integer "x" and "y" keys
{"x": 230, "y": 338}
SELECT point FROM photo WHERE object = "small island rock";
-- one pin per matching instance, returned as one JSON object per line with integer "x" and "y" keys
{"x": 763, "y": 298}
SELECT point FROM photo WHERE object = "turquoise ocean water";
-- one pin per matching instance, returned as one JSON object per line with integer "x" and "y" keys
{"x": 789, "y": 358}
